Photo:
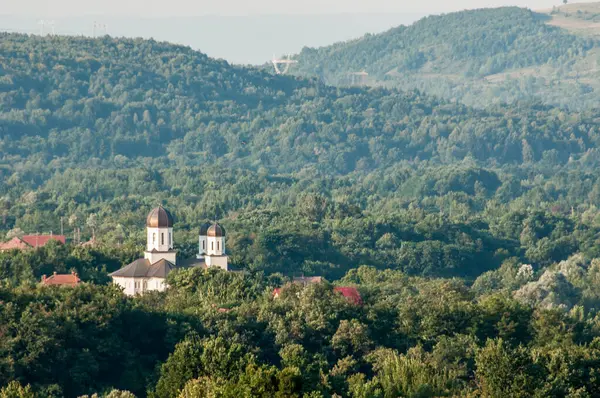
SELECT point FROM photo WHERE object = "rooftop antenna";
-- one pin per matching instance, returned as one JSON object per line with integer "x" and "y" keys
{"x": 100, "y": 27}
{"x": 43, "y": 24}
{"x": 282, "y": 66}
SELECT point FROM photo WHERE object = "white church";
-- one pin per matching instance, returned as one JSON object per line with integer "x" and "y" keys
{"x": 160, "y": 258}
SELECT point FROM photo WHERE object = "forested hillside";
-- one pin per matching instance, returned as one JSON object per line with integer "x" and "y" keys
{"x": 315, "y": 179}
{"x": 123, "y": 103}
{"x": 472, "y": 235}
{"x": 217, "y": 334}
{"x": 579, "y": 18}
{"x": 478, "y": 57}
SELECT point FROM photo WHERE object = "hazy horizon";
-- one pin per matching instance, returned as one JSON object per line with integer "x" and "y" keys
{"x": 241, "y": 40}
{"x": 230, "y": 29}
{"x": 181, "y": 8}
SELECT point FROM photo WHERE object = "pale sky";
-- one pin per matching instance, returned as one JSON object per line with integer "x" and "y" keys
{"x": 240, "y": 31}
{"x": 166, "y": 8}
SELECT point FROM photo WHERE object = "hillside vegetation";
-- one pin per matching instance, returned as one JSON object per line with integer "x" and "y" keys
{"x": 579, "y": 18}
{"x": 478, "y": 57}
{"x": 313, "y": 178}
{"x": 123, "y": 103}
{"x": 473, "y": 236}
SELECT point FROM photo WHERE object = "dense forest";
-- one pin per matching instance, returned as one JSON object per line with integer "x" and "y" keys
{"x": 472, "y": 235}
{"x": 477, "y": 57}
{"x": 124, "y": 103}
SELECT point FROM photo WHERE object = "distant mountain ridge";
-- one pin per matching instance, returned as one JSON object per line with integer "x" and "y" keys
{"x": 121, "y": 103}
{"x": 578, "y": 18}
{"x": 479, "y": 57}
{"x": 251, "y": 39}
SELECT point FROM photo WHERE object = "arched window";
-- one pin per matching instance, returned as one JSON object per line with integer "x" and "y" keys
{"x": 203, "y": 245}
{"x": 212, "y": 245}
{"x": 218, "y": 246}
{"x": 170, "y": 240}
{"x": 162, "y": 239}
{"x": 154, "y": 238}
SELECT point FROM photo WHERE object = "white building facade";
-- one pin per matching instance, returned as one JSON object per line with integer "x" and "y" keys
{"x": 135, "y": 286}
{"x": 160, "y": 258}
{"x": 211, "y": 246}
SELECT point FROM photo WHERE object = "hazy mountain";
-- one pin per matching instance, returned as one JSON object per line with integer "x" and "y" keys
{"x": 479, "y": 57}
{"x": 243, "y": 39}
{"x": 579, "y": 18}
{"x": 77, "y": 101}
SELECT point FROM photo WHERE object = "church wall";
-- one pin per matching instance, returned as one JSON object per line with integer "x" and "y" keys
{"x": 202, "y": 241}
{"x": 215, "y": 246}
{"x": 160, "y": 239}
{"x": 126, "y": 284}
{"x": 217, "y": 261}
{"x": 133, "y": 286}
{"x": 154, "y": 257}
{"x": 157, "y": 284}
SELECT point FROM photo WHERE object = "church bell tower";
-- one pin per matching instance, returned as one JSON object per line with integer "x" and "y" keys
{"x": 159, "y": 230}
{"x": 212, "y": 246}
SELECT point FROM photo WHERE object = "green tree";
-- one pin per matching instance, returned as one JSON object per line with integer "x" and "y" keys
{"x": 503, "y": 371}
{"x": 16, "y": 390}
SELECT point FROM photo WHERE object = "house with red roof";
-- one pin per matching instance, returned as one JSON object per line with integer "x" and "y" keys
{"x": 308, "y": 280}
{"x": 14, "y": 244}
{"x": 30, "y": 242}
{"x": 61, "y": 279}
{"x": 351, "y": 294}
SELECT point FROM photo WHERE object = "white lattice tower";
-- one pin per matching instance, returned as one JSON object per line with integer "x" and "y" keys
{"x": 282, "y": 66}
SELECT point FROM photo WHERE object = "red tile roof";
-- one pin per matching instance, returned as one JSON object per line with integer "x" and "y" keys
{"x": 14, "y": 243}
{"x": 61, "y": 279}
{"x": 90, "y": 243}
{"x": 350, "y": 293}
{"x": 29, "y": 241}
{"x": 42, "y": 240}
{"x": 308, "y": 280}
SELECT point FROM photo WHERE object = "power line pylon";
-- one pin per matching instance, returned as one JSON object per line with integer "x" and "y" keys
{"x": 285, "y": 63}
{"x": 358, "y": 78}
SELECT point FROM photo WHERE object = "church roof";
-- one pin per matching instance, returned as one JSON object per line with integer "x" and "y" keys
{"x": 204, "y": 228}
{"x": 136, "y": 269}
{"x": 141, "y": 268}
{"x": 159, "y": 218}
{"x": 216, "y": 230}
{"x": 160, "y": 269}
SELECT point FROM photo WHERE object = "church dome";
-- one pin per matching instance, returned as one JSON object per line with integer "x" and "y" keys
{"x": 159, "y": 218}
{"x": 216, "y": 231}
{"x": 204, "y": 228}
